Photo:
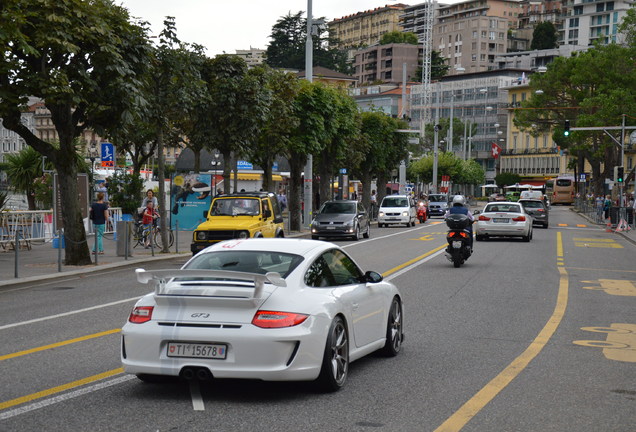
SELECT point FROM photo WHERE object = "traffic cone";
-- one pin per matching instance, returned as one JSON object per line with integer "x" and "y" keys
{"x": 608, "y": 227}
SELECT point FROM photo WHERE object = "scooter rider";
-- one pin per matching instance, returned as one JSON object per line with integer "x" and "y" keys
{"x": 459, "y": 207}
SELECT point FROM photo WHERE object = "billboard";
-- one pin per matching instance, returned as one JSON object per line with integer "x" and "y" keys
{"x": 190, "y": 197}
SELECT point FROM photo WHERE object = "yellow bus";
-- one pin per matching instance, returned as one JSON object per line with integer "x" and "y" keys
{"x": 560, "y": 190}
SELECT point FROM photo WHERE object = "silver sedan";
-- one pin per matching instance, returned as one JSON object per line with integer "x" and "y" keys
{"x": 506, "y": 219}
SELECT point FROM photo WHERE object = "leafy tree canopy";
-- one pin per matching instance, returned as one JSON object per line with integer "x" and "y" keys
{"x": 506, "y": 179}
{"x": 460, "y": 171}
{"x": 545, "y": 36}
{"x": 399, "y": 37}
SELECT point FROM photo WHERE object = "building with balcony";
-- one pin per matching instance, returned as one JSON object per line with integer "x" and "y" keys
{"x": 253, "y": 56}
{"x": 384, "y": 63}
{"x": 585, "y": 21}
{"x": 388, "y": 98}
{"x": 413, "y": 18}
{"x": 472, "y": 33}
{"x": 365, "y": 28}
{"x": 536, "y": 59}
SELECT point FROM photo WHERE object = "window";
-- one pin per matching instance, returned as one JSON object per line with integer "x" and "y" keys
{"x": 574, "y": 22}
{"x": 333, "y": 268}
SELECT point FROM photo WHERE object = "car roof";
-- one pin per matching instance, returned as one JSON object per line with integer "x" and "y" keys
{"x": 246, "y": 194}
{"x": 341, "y": 201}
{"x": 530, "y": 199}
{"x": 284, "y": 245}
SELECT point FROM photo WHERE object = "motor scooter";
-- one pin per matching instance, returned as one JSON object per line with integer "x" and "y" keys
{"x": 459, "y": 239}
{"x": 422, "y": 212}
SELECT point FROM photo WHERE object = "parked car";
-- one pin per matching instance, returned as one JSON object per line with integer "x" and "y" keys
{"x": 538, "y": 210}
{"x": 496, "y": 197}
{"x": 397, "y": 209}
{"x": 239, "y": 215}
{"x": 507, "y": 219}
{"x": 268, "y": 309}
{"x": 513, "y": 196}
{"x": 341, "y": 219}
{"x": 437, "y": 204}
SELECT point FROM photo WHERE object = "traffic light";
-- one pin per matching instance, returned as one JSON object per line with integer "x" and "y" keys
{"x": 566, "y": 128}
{"x": 619, "y": 172}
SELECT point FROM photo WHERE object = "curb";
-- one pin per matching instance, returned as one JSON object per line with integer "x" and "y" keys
{"x": 584, "y": 216}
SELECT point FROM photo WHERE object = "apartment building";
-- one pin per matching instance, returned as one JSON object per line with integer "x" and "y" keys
{"x": 385, "y": 63}
{"x": 472, "y": 33}
{"x": 586, "y": 22}
{"x": 253, "y": 56}
{"x": 413, "y": 19}
{"x": 365, "y": 28}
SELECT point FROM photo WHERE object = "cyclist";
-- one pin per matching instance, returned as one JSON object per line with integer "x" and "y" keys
{"x": 148, "y": 218}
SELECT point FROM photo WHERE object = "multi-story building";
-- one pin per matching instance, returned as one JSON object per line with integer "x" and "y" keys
{"x": 535, "y": 59}
{"x": 472, "y": 33}
{"x": 586, "y": 22}
{"x": 413, "y": 19}
{"x": 385, "y": 63}
{"x": 253, "y": 56}
{"x": 11, "y": 142}
{"x": 365, "y": 28}
{"x": 479, "y": 101}
{"x": 388, "y": 98}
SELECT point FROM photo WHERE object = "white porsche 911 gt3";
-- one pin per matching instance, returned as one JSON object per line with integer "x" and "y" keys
{"x": 269, "y": 309}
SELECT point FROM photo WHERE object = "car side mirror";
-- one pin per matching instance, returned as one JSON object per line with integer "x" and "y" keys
{"x": 373, "y": 277}
{"x": 205, "y": 214}
{"x": 267, "y": 214}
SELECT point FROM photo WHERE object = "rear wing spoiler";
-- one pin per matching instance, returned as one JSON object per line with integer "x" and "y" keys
{"x": 161, "y": 277}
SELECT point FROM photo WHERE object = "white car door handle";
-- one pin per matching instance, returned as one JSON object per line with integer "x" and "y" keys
{"x": 354, "y": 306}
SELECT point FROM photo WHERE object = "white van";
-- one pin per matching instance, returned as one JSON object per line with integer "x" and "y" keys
{"x": 397, "y": 209}
{"x": 531, "y": 194}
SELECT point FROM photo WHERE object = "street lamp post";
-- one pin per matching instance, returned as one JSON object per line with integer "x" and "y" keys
{"x": 92, "y": 155}
{"x": 215, "y": 155}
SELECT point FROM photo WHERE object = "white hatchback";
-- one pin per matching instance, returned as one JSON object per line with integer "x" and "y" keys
{"x": 397, "y": 209}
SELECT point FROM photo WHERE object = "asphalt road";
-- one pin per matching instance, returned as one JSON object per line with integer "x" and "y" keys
{"x": 537, "y": 336}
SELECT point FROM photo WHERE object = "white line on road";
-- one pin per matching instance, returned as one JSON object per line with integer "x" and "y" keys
{"x": 412, "y": 266}
{"x": 64, "y": 397}
{"x": 197, "y": 400}
{"x": 50, "y": 317}
{"x": 389, "y": 235}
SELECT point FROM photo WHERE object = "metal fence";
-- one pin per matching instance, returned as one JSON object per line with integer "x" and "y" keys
{"x": 597, "y": 214}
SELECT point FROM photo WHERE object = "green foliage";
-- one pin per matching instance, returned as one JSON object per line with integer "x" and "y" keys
{"x": 125, "y": 190}
{"x": 429, "y": 134}
{"x": 460, "y": 171}
{"x": 439, "y": 68}
{"x": 287, "y": 49}
{"x": 627, "y": 26}
{"x": 43, "y": 191}
{"x": 399, "y": 37}
{"x": 22, "y": 170}
{"x": 3, "y": 199}
{"x": 545, "y": 36}
{"x": 507, "y": 179}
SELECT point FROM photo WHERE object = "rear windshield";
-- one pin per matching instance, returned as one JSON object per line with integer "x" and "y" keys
{"x": 395, "y": 202}
{"x": 338, "y": 208}
{"x": 564, "y": 182}
{"x": 532, "y": 204}
{"x": 510, "y": 208}
{"x": 437, "y": 198}
{"x": 246, "y": 261}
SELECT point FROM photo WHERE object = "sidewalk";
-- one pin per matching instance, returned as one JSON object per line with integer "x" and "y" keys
{"x": 41, "y": 262}
{"x": 629, "y": 235}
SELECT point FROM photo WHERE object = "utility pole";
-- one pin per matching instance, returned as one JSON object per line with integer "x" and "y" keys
{"x": 309, "y": 76}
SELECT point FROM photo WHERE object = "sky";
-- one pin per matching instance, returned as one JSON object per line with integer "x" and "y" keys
{"x": 225, "y": 26}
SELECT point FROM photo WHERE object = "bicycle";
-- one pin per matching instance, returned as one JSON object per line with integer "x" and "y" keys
{"x": 141, "y": 233}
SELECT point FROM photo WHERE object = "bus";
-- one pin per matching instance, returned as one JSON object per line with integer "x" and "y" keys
{"x": 560, "y": 190}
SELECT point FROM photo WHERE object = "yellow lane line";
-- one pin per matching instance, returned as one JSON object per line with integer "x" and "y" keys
{"x": 58, "y": 389}
{"x": 475, "y": 404}
{"x": 414, "y": 260}
{"x": 59, "y": 344}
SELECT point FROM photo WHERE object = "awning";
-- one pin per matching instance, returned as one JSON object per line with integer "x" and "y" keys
{"x": 256, "y": 176}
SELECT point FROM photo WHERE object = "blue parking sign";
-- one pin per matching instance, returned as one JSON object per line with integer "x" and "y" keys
{"x": 108, "y": 155}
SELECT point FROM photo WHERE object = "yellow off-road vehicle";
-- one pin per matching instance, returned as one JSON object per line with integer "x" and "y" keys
{"x": 239, "y": 216}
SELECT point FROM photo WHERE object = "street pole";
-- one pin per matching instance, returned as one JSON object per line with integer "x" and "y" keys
{"x": 435, "y": 142}
{"x": 309, "y": 72}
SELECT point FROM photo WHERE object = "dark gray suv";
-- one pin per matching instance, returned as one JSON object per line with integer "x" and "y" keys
{"x": 538, "y": 210}
{"x": 341, "y": 219}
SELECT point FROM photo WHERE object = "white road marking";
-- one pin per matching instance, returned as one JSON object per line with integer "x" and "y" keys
{"x": 197, "y": 400}
{"x": 388, "y": 235}
{"x": 50, "y": 317}
{"x": 46, "y": 402}
{"x": 412, "y": 266}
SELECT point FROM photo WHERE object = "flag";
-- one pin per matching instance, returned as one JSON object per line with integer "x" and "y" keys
{"x": 496, "y": 150}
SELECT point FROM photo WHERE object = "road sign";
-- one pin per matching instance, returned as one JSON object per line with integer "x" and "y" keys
{"x": 343, "y": 170}
{"x": 244, "y": 165}
{"x": 108, "y": 155}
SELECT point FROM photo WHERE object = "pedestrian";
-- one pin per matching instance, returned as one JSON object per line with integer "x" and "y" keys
{"x": 148, "y": 218}
{"x": 282, "y": 199}
{"x": 373, "y": 203}
{"x": 607, "y": 204}
{"x": 150, "y": 196}
{"x": 99, "y": 216}
{"x": 600, "y": 203}
{"x": 103, "y": 188}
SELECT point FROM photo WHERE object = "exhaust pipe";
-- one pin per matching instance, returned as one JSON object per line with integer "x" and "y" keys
{"x": 188, "y": 373}
{"x": 203, "y": 374}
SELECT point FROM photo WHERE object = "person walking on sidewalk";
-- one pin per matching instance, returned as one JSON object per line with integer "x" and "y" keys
{"x": 99, "y": 216}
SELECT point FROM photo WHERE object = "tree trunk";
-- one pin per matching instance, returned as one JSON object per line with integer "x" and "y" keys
{"x": 227, "y": 169}
{"x": 382, "y": 178}
{"x": 366, "y": 178}
{"x": 235, "y": 167}
{"x": 268, "y": 183}
{"x": 197, "y": 160}
{"x": 325, "y": 172}
{"x": 161, "y": 174}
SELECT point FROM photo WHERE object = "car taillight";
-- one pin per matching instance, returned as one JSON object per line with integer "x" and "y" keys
{"x": 453, "y": 234}
{"x": 140, "y": 314}
{"x": 272, "y": 319}
{"x": 519, "y": 219}
{"x": 484, "y": 218}
{"x": 540, "y": 210}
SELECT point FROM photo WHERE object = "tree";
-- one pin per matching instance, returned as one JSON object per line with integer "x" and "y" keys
{"x": 84, "y": 60}
{"x": 399, "y": 37}
{"x": 506, "y": 179}
{"x": 545, "y": 36}
{"x": 460, "y": 171}
{"x": 289, "y": 38}
{"x": 439, "y": 68}
{"x": 23, "y": 169}
{"x": 627, "y": 27}
{"x": 593, "y": 88}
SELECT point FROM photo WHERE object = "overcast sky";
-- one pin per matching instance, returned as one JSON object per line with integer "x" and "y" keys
{"x": 228, "y": 25}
